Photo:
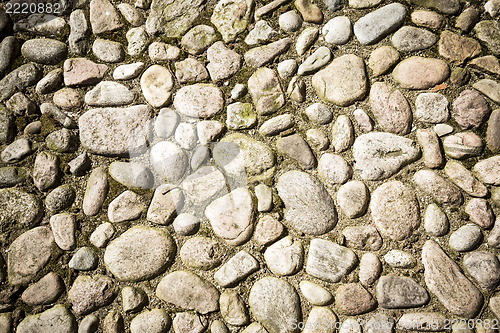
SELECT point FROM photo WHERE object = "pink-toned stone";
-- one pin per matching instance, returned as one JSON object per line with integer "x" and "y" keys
{"x": 352, "y": 299}
{"x": 390, "y": 108}
{"x": 427, "y": 19}
{"x": 421, "y": 73}
{"x": 480, "y": 213}
{"x": 81, "y": 71}
{"x": 470, "y": 109}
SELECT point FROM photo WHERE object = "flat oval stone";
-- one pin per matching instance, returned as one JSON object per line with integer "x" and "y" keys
{"x": 168, "y": 160}
{"x": 395, "y": 210}
{"x": 343, "y": 81}
{"x": 445, "y": 279}
{"x": 28, "y": 254}
{"x": 46, "y": 291}
{"x": 425, "y": 321}
{"x": 125, "y": 207}
{"x": 465, "y": 238}
{"x": 379, "y": 155}
{"x": 188, "y": 291}
{"x": 398, "y": 292}
{"x": 44, "y": 51}
{"x": 156, "y": 83}
{"x": 399, "y": 259}
{"x": 199, "y": 100}
{"x": 139, "y": 253}
{"x": 439, "y": 188}
{"x": 315, "y": 293}
{"x": 275, "y": 304}
{"x": 421, "y": 73}
{"x": 308, "y": 206}
{"x": 115, "y": 131}
{"x": 379, "y": 23}
{"x": 382, "y": 59}
{"x": 409, "y": 39}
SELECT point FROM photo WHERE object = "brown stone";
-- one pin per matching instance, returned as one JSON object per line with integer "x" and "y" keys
{"x": 456, "y": 48}
{"x": 421, "y": 73}
{"x": 309, "y": 11}
{"x": 470, "y": 109}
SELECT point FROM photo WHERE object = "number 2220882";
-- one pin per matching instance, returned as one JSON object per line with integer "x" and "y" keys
{"x": 33, "y": 8}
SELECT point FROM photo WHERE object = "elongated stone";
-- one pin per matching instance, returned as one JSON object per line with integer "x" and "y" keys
{"x": 444, "y": 278}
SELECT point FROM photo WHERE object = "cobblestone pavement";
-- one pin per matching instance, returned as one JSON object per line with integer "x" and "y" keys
{"x": 249, "y": 166}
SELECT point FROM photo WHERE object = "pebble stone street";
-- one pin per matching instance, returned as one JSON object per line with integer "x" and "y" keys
{"x": 249, "y": 166}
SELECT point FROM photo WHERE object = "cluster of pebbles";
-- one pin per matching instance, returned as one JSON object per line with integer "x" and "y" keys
{"x": 250, "y": 166}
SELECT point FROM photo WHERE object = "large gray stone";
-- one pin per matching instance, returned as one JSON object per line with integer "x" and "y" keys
{"x": 308, "y": 206}
{"x": 275, "y": 304}
{"x": 139, "y": 253}
{"x": 19, "y": 207}
{"x": 19, "y": 79}
{"x": 398, "y": 292}
{"x": 377, "y": 24}
{"x": 173, "y": 18}
{"x": 115, "y": 131}
{"x": 54, "y": 320}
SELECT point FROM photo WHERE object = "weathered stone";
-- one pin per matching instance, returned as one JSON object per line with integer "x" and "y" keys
{"x": 109, "y": 93}
{"x": 19, "y": 79}
{"x": 275, "y": 304}
{"x": 428, "y": 139}
{"x": 54, "y": 320}
{"x": 464, "y": 179}
{"x": 382, "y": 59}
{"x": 44, "y": 51}
{"x": 259, "y": 56}
{"x": 266, "y": 91}
{"x": 314, "y": 293}
{"x": 352, "y": 299}
{"x": 489, "y": 88}
{"x": 444, "y": 279}
{"x": 488, "y": 170}
{"x": 115, "y": 131}
{"x": 192, "y": 101}
{"x": 458, "y": 49}
{"x": 370, "y": 268}
{"x": 395, "y": 210}
{"x": 470, "y": 109}
{"x": 201, "y": 253}
{"x": 463, "y": 145}
{"x": 81, "y": 71}
{"x": 426, "y": 321}
{"x": 64, "y": 227}
{"x": 308, "y": 206}
{"x": 125, "y": 207}
{"x": 156, "y": 83}
{"x": 427, "y": 19}
{"x": 465, "y": 238}
{"x": 241, "y": 265}
{"x": 362, "y": 237}
{"x": 329, "y": 261}
{"x": 108, "y": 51}
{"x": 96, "y": 191}
{"x": 297, "y": 149}
{"x": 390, "y": 108}
{"x": 46, "y": 291}
{"x": 139, "y": 253}
{"x": 410, "y": 39}
{"x": 432, "y": 108}
{"x": 285, "y": 257}
{"x": 484, "y": 267}
{"x": 231, "y": 216}
{"x": 104, "y": 17}
{"x": 488, "y": 31}
{"x": 42, "y": 24}
{"x": 85, "y": 259}
{"x": 380, "y": 155}
{"x": 19, "y": 207}
{"x": 168, "y": 160}
{"x": 154, "y": 321}
{"x": 343, "y": 81}
{"x": 188, "y": 291}
{"x": 172, "y": 18}
{"x": 333, "y": 169}
{"x": 319, "y": 58}
{"x": 131, "y": 174}
{"x": 439, "y": 188}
